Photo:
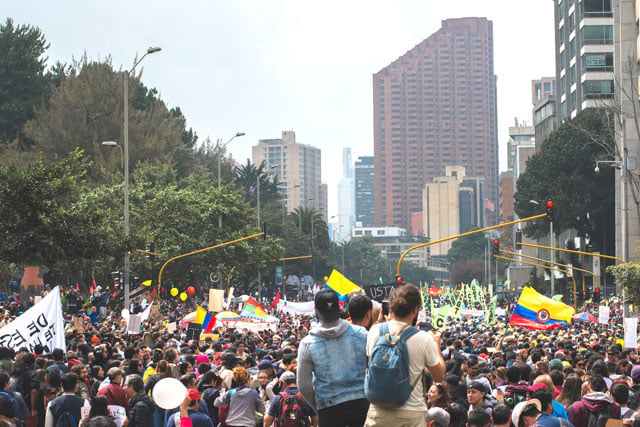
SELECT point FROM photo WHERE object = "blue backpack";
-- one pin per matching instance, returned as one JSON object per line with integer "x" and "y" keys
{"x": 387, "y": 383}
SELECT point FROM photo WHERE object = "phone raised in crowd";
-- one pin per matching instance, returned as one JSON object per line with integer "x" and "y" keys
{"x": 385, "y": 308}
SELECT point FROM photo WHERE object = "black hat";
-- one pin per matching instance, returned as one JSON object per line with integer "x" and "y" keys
{"x": 477, "y": 385}
{"x": 229, "y": 359}
{"x": 327, "y": 305}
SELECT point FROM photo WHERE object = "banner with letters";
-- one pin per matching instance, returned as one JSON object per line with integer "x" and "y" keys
{"x": 379, "y": 293}
{"x": 41, "y": 324}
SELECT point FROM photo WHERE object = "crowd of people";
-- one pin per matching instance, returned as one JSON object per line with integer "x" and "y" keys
{"x": 350, "y": 364}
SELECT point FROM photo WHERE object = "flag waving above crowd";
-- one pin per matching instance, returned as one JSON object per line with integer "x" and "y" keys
{"x": 535, "y": 311}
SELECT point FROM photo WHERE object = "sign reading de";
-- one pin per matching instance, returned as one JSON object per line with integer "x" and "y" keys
{"x": 41, "y": 324}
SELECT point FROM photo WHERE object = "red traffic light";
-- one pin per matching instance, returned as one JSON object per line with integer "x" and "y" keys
{"x": 597, "y": 290}
{"x": 399, "y": 280}
{"x": 549, "y": 204}
{"x": 496, "y": 242}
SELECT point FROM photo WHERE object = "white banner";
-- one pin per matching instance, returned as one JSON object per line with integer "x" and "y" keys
{"x": 603, "y": 314}
{"x": 297, "y": 307}
{"x": 630, "y": 332}
{"x": 252, "y": 326}
{"x": 41, "y": 324}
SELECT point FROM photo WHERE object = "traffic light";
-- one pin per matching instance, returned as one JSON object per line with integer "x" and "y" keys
{"x": 151, "y": 247}
{"x": 264, "y": 230}
{"x": 518, "y": 240}
{"x": 399, "y": 280}
{"x": 496, "y": 247}
{"x": 549, "y": 209}
{"x": 596, "y": 295}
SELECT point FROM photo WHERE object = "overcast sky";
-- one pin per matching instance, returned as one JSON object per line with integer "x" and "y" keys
{"x": 264, "y": 66}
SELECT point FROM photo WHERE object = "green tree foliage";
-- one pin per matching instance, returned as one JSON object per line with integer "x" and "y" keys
{"x": 563, "y": 171}
{"x": 628, "y": 277}
{"x": 87, "y": 109}
{"x": 41, "y": 218}
{"x": 24, "y": 85}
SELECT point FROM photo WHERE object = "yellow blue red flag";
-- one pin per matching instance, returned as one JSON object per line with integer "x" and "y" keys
{"x": 341, "y": 284}
{"x": 535, "y": 311}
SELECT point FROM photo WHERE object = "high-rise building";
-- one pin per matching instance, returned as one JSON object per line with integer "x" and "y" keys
{"x": 298, "y": 168}
{"x": 435, "y": 106}
{"x": 452, "y": 204}
{"x": 584, "y": 54}
{"x": 365, "y": 208}
{"x": 346, "y": 194}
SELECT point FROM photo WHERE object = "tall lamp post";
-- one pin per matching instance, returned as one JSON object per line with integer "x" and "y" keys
{"x": 220, "y": 147}
{"x": 125, "y": 165}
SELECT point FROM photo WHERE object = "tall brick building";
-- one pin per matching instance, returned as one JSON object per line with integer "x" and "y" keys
{"x": 433, "y": 107}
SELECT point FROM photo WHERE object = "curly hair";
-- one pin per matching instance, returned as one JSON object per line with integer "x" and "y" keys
{"x": 240, "y": 376}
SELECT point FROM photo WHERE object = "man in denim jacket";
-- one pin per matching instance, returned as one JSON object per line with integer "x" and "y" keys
{"x": 332, "y": 361}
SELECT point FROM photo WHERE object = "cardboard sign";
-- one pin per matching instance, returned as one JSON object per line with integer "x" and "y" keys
{"x": 133, "y": 327}
{"x": 216, "y": 296}
{"x": 379, "y": 292}
{"x": 78, "y": 324}
{"x": 155, "y": 311}
{"x": 193, "y": 331}
{"x": 171, "y": 327}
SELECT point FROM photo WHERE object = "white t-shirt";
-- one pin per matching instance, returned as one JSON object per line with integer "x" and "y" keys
{"x": 422, "y": 352}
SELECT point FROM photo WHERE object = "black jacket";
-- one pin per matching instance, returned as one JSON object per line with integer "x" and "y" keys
{"x": 141, "y": 409}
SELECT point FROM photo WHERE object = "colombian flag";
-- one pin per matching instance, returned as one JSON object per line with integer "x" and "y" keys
{"x": 535, "y": 311}
{"x": 206, "y": 318}
{"x": 253, "y": 309}
{"x": 341, "y": 284}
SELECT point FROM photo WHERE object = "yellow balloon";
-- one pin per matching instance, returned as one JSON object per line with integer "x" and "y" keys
{"x": 183, "y": 296}
{"x": 174, "y": 292}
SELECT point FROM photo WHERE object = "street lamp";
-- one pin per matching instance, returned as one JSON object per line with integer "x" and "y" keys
{"x": 220, "y": 147}
{"x": 115, "y": 144}
{"x": 125, "y": 161}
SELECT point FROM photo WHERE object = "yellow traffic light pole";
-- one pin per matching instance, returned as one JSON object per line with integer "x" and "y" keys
{"x": 468, "y": 233}
{"x": 549, "y": 262}
{"x": 575, "y": 286}
{"x": 571, "y": 251}
{"x": 242, "y": 239}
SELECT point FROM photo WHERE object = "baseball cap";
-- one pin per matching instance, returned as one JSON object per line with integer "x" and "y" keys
{"x": 635, "y": 371}
{"x": 327, "y": 305}
{"x": 288, "y": 377}
{"x": 477, "y": 385}
{"x": 522, "y": 407}
{"x": 266, "y": 364}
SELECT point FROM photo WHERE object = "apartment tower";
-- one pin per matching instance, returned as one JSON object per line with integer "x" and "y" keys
{"x": 434, "y": 107}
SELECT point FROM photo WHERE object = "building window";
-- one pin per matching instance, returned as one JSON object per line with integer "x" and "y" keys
{"x": 598, "y": 89}
{"x": 597, "y": 34}
{"x": 597, "y": 62}
{"x": 596, "y": 8}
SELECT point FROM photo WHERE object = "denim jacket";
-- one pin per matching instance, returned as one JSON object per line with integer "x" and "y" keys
{"x": 332, "y": 361}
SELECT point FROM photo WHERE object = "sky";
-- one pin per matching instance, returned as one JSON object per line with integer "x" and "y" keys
{"x": 261, "y": 67}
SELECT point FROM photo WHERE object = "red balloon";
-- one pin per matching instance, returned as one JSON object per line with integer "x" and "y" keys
{"x": 191, "y": 290}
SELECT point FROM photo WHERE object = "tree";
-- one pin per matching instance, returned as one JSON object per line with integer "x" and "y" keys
{"x": 563, "y": 171}
{"x": 24, "y": 86}
{"x": 41, "y": 219}
{"x": 87, "y": 109}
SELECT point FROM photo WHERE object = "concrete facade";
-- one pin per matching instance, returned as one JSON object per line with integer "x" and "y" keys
{"x": 364, "y": 181}
{"x": 297, "y": 166}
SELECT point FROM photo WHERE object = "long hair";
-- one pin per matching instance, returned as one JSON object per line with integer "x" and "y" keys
{"x": 571, "y": 390}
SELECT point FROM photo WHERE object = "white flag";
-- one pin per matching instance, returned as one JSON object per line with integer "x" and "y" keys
{"x": 41, "y": 324}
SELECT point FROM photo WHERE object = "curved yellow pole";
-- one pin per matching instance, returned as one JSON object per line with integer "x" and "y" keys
{"x": 200, "y": 251}
{"x": 575, "y": 286}
{"x": 468, "y": 233}
{"x": 548, "y": 262}
{"x": 571, "y": 251}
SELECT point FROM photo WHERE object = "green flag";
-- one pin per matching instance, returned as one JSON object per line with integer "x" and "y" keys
{"x": 440, "y": 320}
{"x": 557, "y": 297}
{"x": 490, "y": 315}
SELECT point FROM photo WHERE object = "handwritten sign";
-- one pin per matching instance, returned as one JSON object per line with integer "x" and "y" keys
{"x": 379, "y": 292}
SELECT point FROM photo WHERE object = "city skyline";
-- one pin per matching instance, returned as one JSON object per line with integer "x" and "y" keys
{"x": 263, "y": 68}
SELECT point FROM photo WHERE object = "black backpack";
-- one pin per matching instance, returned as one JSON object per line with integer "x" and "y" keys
{"x": 63, "y": 409}
{"x": 66, "y": 419}
{"x": 599, "y": 418}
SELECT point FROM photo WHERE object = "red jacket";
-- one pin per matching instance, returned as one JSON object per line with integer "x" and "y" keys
{"x": 115, "y": 395}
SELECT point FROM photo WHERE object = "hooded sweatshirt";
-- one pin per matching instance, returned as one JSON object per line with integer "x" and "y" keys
{"x": 591, "y": 403}
{"x": 243, "y": 405}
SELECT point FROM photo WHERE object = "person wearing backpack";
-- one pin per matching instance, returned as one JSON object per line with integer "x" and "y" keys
{"x": 398, "y": 354}
{"x": 288, "y": 408}
{"x": 595, "y": 404}
{"x": 332, "y": 361}
{"x": 66, "y": 409}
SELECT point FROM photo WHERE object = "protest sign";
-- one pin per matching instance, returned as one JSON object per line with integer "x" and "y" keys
{"x": 193, "y": 331}
{"x": 171, "y": 327}
{"x": 133, "y": 326}
{"x": 379, "y": 292}
{"x": 41, "y": 324}
{"x": 78, "y": 324}
{"x": 216, "y": 296}
{"x": 297, "y": 307}
{"x": 630, "y": 332}
{"x": 603, "y": 314}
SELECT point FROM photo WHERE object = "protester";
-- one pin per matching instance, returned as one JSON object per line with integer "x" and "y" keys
{"x": 141, "y": 406}
{"x": 67, "y": 404}
{"x": 332, "y": 362}
{"x": 289, "y": 397}
{"x": 243, "y": 401}
{"x": 423, "y": 350}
